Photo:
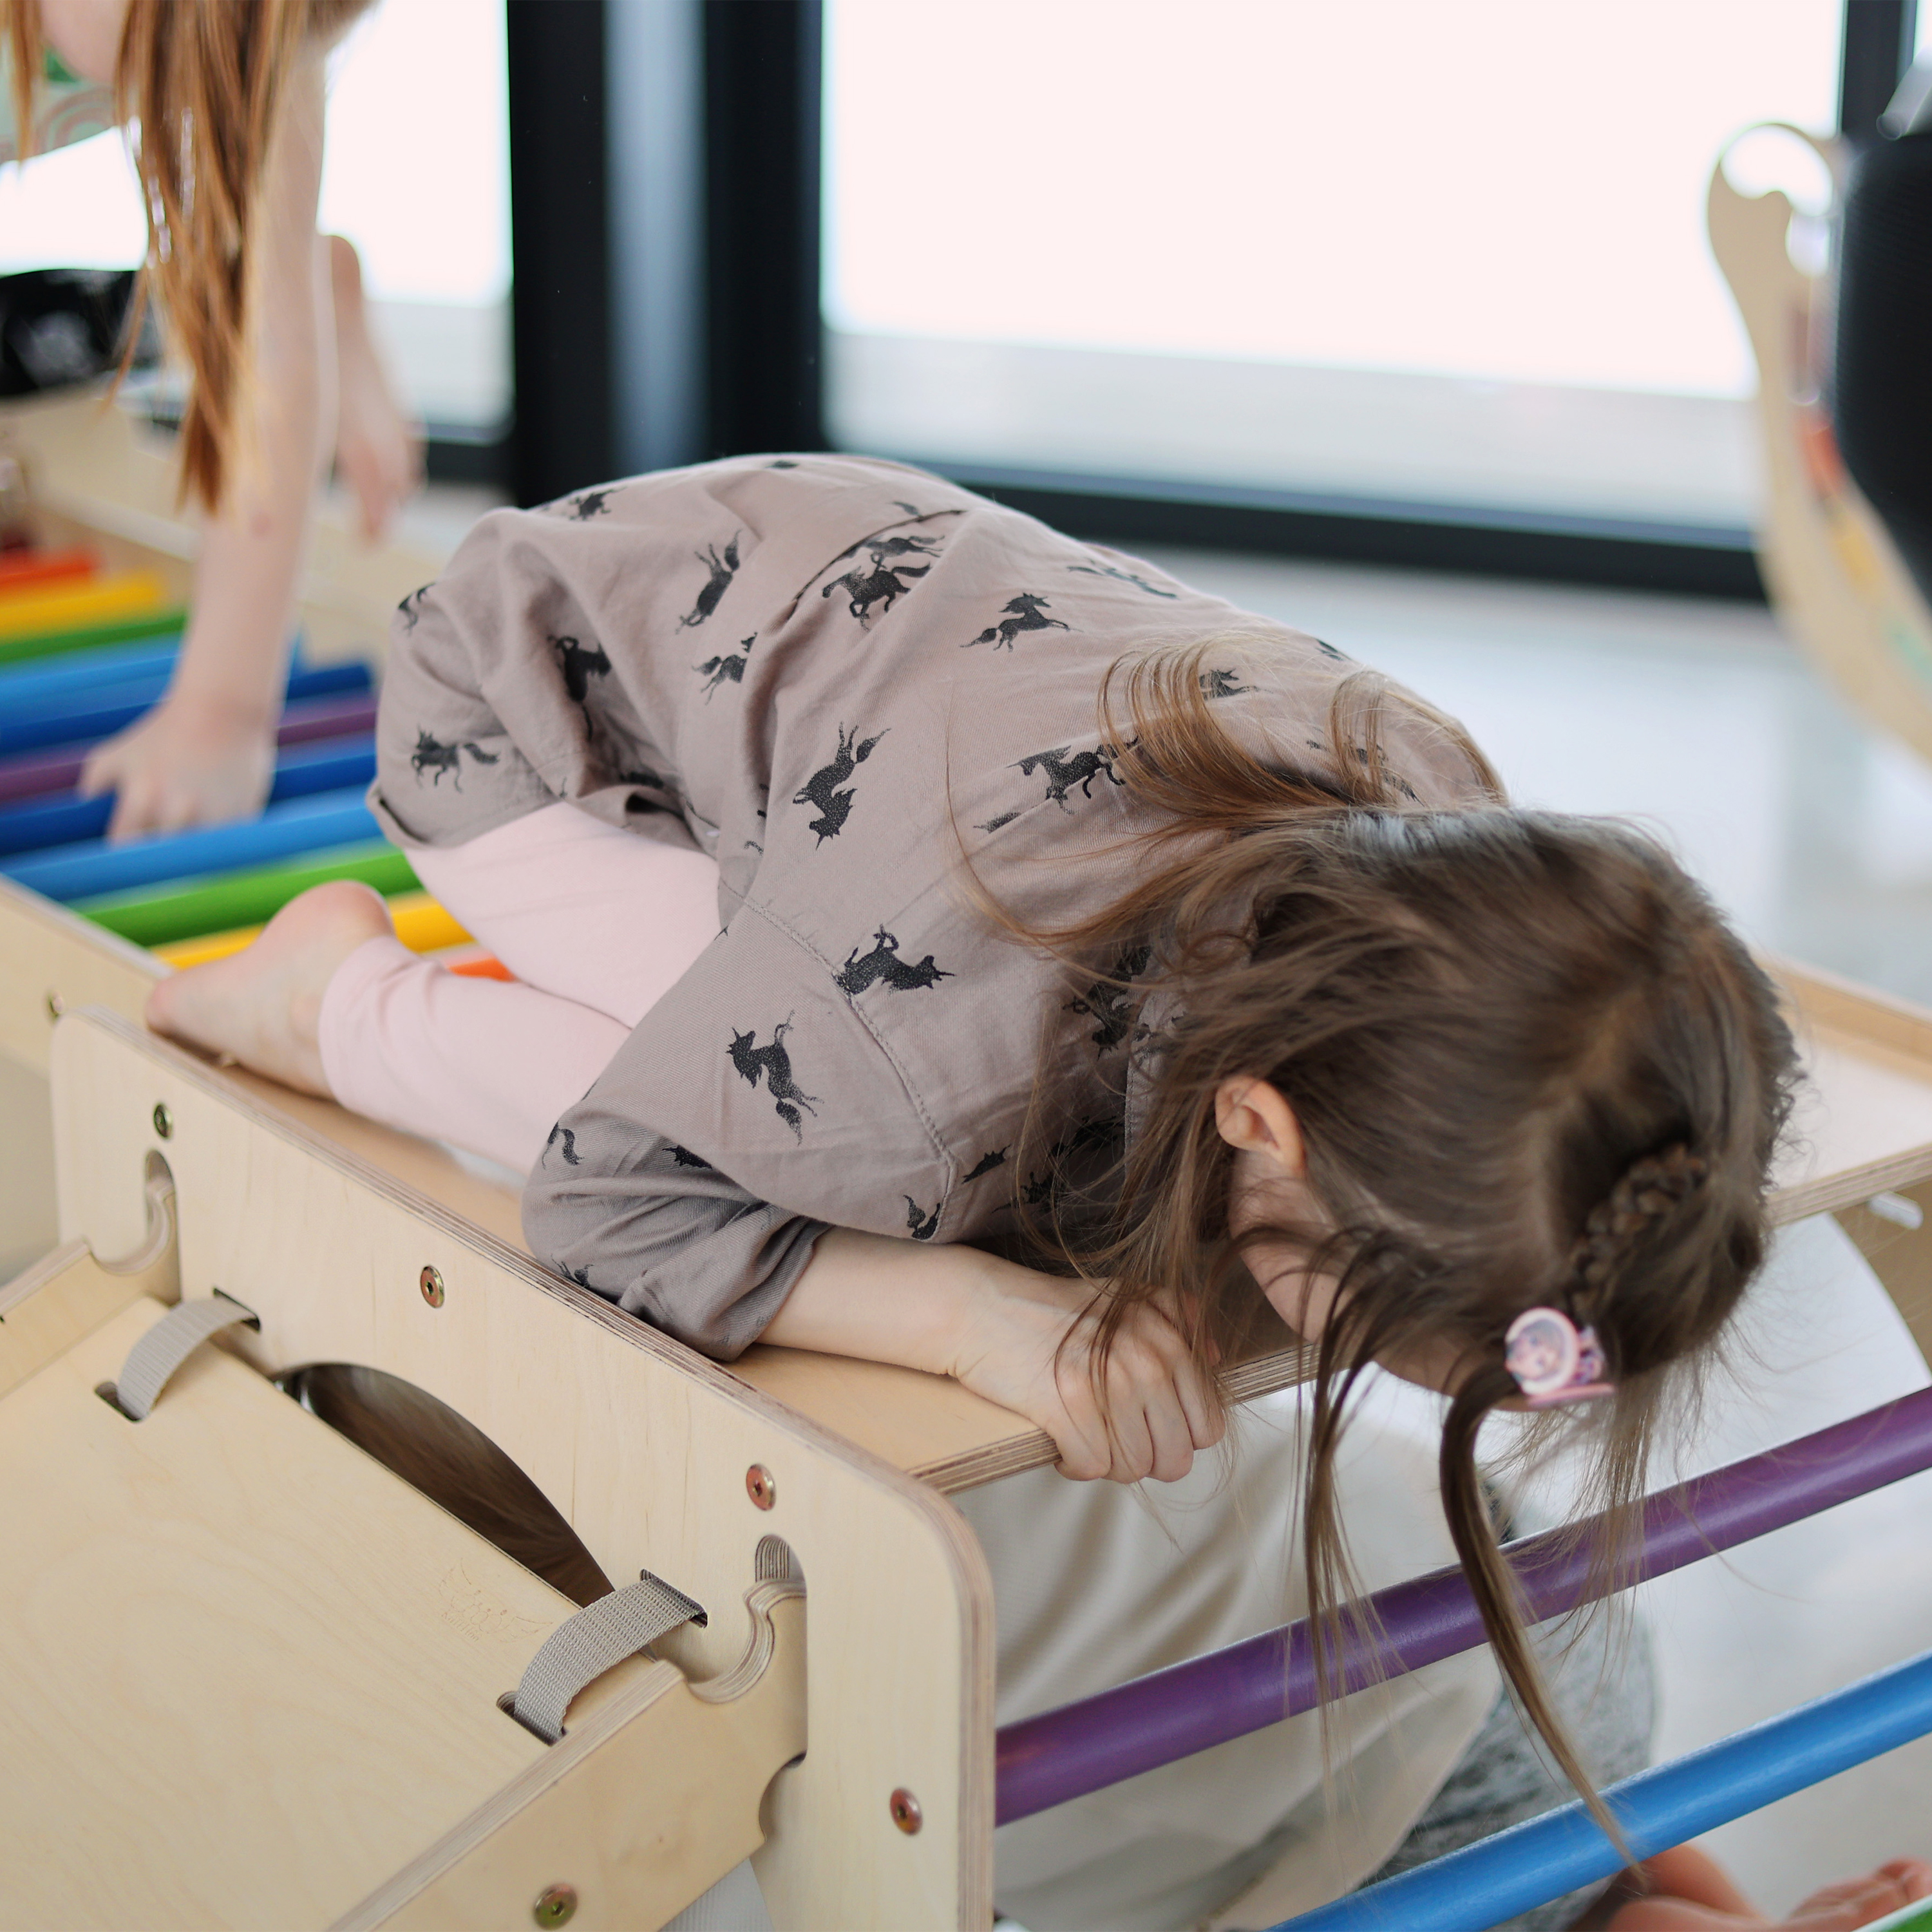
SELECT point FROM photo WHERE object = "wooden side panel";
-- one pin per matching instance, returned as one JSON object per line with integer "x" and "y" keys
{"x": 249, "y": 1671}
{"x": 70, "y": 1293}
{"x": 27, "y": 1229}
{"x": 643, "y": 1446}
{"x": 642, "y": 1806}
{"x": 1901, "y": 1257}
{"x": 1864, "y": 1121}
{"x": 44, "y": 1312}
{"x": 51, "y": 959}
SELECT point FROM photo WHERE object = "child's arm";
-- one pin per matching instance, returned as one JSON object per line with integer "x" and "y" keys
{"x": 377, "y": 453}
{"x": 1016, "y": 1336}
{"x": 206, "y": 752}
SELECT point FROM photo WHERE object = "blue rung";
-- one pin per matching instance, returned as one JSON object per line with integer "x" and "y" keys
{"x": 96, "y": 714}
{"x": 41, "y": 679}
{"x": 305, "y": 825}
{"x": 330, "y": 766}
{"x": 1532, "y": 1863}
{"x": 22, "y": 715}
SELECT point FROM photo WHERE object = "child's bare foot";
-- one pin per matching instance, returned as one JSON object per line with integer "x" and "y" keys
{"x": 263, "y": 1004}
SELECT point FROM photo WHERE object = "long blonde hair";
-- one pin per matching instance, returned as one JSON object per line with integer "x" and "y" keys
{"x": 202, "y": 81}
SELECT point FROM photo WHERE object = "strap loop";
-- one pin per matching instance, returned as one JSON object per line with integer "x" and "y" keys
{"x": 169, "y": 1343}
{"x": 584, "y": 1647}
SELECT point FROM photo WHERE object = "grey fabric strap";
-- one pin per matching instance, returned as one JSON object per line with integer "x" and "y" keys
{"x": 168, "y": 1344}
{"x": 584, "y": 1646}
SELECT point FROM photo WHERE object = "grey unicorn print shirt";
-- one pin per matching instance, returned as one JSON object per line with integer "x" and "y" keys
{"x": 860, "y": 689}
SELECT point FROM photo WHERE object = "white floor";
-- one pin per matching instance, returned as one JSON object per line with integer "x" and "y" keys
{"x": 1818, "y": 837}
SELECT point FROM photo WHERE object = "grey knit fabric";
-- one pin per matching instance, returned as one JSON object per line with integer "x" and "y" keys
{"x": 1602, "y": 1682}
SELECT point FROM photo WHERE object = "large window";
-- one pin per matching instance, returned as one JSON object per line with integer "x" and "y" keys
{"x": 416, "y": 176}
{"x": 1447, "y": 255}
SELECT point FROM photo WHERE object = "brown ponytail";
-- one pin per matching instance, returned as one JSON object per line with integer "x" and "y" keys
{"x": 202, "y": 81}
{"x": 23, "y": 49}
{"x": 1531, "y": 1064}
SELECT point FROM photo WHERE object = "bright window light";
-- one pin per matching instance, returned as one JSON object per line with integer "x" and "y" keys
{"x": 416, "y": 174}
{"x": 1509, "y": 190}
{"x": 1414, "y": 251}
{"x": 418, "y": 171}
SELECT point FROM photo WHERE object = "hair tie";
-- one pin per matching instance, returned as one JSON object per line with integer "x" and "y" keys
{"x": 1552, "y": 1361}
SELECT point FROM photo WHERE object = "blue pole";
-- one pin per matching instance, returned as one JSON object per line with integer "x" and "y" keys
{"x": 79, "y": 717}
{"x": 42, "y": 823}
{"x": 41, "y": 679}
{"x": 303, "y": 825}
{"x": 1532, "y": 1863}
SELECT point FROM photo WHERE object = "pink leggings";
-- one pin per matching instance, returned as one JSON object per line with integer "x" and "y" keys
{"x": 596, "y": 923}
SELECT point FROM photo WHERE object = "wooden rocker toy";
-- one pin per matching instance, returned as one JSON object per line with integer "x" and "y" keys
{"x": 1844, "y": 403}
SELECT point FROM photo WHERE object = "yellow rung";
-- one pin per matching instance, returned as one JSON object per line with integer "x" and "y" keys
{"x": 71, "y": 607}
{"x": 421, "y": 924}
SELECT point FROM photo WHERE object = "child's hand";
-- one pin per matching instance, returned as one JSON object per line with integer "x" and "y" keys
{"x": 188, "y": 762}
{"x": 1150, "y": 1412}
{"x": 1857, "y": 1901}
{"x": 378, "y": 452}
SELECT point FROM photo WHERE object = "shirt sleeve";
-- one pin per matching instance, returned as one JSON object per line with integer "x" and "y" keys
{"x": 664, "y": 1235}
{"x": 750, "y": 1109}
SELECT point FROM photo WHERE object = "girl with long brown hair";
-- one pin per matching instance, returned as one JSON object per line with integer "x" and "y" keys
{"x": 224, "y": 101}
{"x": 940, "y": 941}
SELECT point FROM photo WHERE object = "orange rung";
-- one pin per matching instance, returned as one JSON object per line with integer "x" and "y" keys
{"x": 484, "y": 968}
{"x": 22, "y": 570}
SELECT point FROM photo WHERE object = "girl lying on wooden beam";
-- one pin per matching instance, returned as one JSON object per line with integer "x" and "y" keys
{"x": 940, "y": 941}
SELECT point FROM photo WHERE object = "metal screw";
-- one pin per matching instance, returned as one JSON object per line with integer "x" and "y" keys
{"x": 53, "y": 1006}
{"x": 556, "y": 1905}
{"x": 164, "y": 1121}
{"x": 760, "y": 1485}
{"x": 430, "y": 1281}
{"x": 906, "y": 1813}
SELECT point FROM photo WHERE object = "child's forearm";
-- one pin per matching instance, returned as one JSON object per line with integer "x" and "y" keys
{"x": 885, "y": 1300}
{"x": 1021, "y": 1339}
{"x": 234, "y": 655}
{"x": 206, "y": 752}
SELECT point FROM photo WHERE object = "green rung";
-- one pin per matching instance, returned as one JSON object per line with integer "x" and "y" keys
{"x": 124, "y": 631}
{"x": 219, "y": 902}
{"x": 1907, "y": 1918}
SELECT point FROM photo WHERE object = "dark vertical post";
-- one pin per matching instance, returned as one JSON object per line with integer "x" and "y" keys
{"x": 762, "y": 223}
{"x": 654, "y": 76}
{"x": 1879, "y": 39}
{"x": 560, "y": 300}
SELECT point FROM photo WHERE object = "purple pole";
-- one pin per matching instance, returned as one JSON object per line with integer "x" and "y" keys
{"x": 1084, "y": 1746}
{"x": 37, "y": 773}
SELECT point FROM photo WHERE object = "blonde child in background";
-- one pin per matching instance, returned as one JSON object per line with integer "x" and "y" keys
{"x": 224, "y": 100}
